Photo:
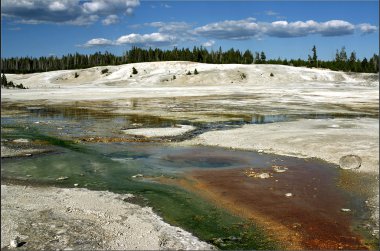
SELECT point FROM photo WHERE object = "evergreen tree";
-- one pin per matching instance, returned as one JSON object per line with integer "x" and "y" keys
{"x": 134, "y": 71}
{"x": 262, "y": 57}
{"x": 198, "y": 54}
{"x": 247, "y": 57}
{"x": 352, "y": 62}
{"x": 315, "y": 58}
{"x": 343, "y": 54}
{"x": 4, "y": 81}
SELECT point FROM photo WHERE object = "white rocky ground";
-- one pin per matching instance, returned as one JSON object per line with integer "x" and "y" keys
{"x": 160, "y": 132}
{"x": 328, "y": 139}
{"x": 56, "y": 218}
{"x": 221, "y": 90}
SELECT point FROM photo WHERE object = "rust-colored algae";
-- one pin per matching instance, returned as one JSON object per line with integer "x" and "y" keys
{"x": 310, "y": 217}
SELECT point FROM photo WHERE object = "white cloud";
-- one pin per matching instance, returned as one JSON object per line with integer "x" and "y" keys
{"x": 74, "y": 12}
{"x": 172, "y": 33}
{"x": 171, "y": 27}
{"x": 143, "y": 40}
{"x": 230, "y": 29}
{"x": 208, "y": 43}
{"x": 336, "y": 28}
{"x": 271, "y": 13}
{"x": 248, "y": 29}
{"x": 153, "y": 39}
{"x": 57, "y": 6}
{"x": 111, "y": 19}
{"x": 367, "y": 28}
{"x": 96, "y": 42}
{"x": 129, "y": 11}
{"x": 109, "y": 6}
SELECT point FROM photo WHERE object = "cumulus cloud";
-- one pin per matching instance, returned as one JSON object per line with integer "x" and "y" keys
{"x": 111, "y": 19}
{"x": 367, "y": 28}
{"x": 172, "y": 33}
{"x": 75, "y": 12}
{"x": 335, "y": 28}
{"x": 208, "y": 43}
{"x": 230, "y": 29}
{"x": 248, "y": 29}
{"x": 145, "y": 40}
{"x": 97, "y": 42}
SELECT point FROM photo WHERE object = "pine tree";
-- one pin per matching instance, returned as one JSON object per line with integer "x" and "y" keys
{"x": 315, "y": 58}
{"x": 134, "y": 71}
{"x": 262, "y": 57}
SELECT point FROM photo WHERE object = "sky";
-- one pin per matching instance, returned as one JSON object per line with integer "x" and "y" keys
{"x": 285, "y": 29}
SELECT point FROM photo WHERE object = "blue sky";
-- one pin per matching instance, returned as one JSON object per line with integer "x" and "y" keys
{"x": 286, "y": 29}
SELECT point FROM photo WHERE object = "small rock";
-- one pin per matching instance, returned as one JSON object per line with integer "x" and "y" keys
{"x": 345, "y": 210}
{"x": 28, "y": 154}
{"x": 350, "y": 162}
{"x": 76, "y": 184}
{"x": 21, "y": 140}
{"x": 260, "y": 151}
{"x": 288, "y": 195}
{"x": 264, "y": 176}
{"x": 62, "y": 178}
{"x": 279, "y": 169}
{"x": 61, "y": 232}
{"x": 296, "y": 225}
{"x": 15, "y": 242}
{"x": 138, "y": 176}
{"x": 234, "y": 238}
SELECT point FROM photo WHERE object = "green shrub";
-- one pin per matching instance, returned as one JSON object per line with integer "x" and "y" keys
{"x": 104, "y": 71}
{"x": 188, "y": 73}
{"x": 271, "y": 74}
{"x": 20, "y": 86}
{"x": 134, "y": 71}
{"x": 195, "y": 71}
{"x": 174, "y": 77}
{"x": 76, "y": 75}
{"x": 243, "y": 76}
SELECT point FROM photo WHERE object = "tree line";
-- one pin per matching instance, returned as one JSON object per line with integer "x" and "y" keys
{"x": 198, "y": 54}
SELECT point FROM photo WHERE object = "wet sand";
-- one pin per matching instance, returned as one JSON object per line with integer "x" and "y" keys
{"x": 310, "y": 219}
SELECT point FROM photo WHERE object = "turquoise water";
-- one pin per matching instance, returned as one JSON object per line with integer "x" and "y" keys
{"x": 111, "y": 167}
